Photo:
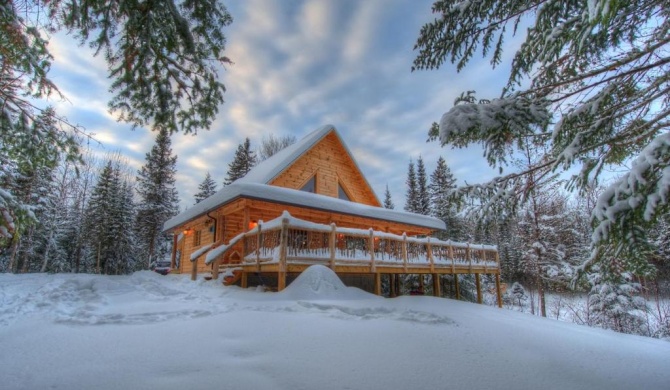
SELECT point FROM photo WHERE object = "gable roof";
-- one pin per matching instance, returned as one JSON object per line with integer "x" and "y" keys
{"x": 274, "y": 166}
{"x": 299, "y": 198}
{"x": 255, "y": 185}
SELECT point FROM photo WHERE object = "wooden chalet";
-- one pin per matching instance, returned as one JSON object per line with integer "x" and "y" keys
{"x": 318, "y": 208}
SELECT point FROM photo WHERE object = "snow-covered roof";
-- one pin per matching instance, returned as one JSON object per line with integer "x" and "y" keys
{"x": 269, "y": 169}
{"x": 298, "y": 198}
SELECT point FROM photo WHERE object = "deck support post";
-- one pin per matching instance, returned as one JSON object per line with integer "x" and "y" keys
{"x": 458, "y": 289}
{"x": 498, "y": 292}
{"x": 215, "y": 268}
{"x": 333, "y": 237}
{"x": 378, "y": 283}
{"x": 404, "y": 251}
{"x": 194, "y": 269}
{"x": 244, "y": 280}
{"x": 371, "y": 245}
{"x": 436, "y": 285}
{"x": 281, "y": 275}
{"x": 479, "y": 288}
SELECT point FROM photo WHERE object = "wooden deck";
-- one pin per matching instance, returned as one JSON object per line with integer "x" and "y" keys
{"x": 290, "y": 245}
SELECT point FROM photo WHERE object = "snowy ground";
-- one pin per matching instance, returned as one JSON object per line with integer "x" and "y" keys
{"x": 147, "y": 331}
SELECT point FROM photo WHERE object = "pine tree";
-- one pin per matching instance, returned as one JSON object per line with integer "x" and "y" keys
{"x": 169, "y": 80}
{"x": 30, "y": 151}
{"x": 388, "y": 202}
{"x": 244, "y": 160}
{"x": 423, "y": 197}
{"x": 411, "y": 200}
{"x": 207, "y": 188}
{"x": 442, "y": 182}
{"x": 158, "y": 198}
{"x": 590, "y": 80}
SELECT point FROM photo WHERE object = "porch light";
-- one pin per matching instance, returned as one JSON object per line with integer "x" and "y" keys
{"x": 188, "y": 231}
{"x": 252, "y": 224}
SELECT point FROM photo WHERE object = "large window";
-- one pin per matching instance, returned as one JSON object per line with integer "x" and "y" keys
{"x": 310, "y": 186}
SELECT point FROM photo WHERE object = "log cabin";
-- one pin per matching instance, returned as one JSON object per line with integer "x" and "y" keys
{"x": 318, "y": 208}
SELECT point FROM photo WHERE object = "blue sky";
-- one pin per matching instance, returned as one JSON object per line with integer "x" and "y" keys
{"x": 297, "y": 66}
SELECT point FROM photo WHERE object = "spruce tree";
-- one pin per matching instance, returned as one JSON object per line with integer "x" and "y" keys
{"x": 163, "y": 57}
{"x": 442, "y": 182}
{"x": 244, "y": 160}
{"x": 206, "y": 189}
{"x": 411, "y": 200}
{"x": 100, "y": 219}
{"x": 423, "y": 197}
{"x": 158, "y": 198}
{"x": 590, "y": 81}
{"x": 388, "y": 202}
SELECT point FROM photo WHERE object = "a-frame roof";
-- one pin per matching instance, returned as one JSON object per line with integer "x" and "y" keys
{"x": 274, "y": 166}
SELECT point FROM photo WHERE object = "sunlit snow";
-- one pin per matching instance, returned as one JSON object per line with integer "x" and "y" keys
{"x": 147, "y": 331}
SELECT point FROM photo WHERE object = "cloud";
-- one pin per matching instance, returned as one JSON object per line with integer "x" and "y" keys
{"x": 299, "y": 65}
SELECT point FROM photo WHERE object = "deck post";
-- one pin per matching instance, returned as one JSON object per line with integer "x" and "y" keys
{"x": 479, "y": 288}
{"x": 215, "y": 268}
{"x": 451, "y": 257}
{"x": 281, "y": 275}
{"x": 498, "y": 292}
{"x": 436, "y": 285}
{"x": 404, "y": 251}
{"x": 258, "y": 247}
{"x": 244, "y": 282}
{"x": 194, "y": 269}
{"x": 371, "y": 245}
{"x": 429, "y": 253}
{"x": 468, "y": 257}
{"x": 456, "y": 286}
{"x": 378, "y": 283}
{"x": 483, "y": 256}
{"x": 333, "y": 237}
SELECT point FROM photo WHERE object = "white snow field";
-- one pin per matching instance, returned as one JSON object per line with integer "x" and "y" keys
{"x": 147, "y": 331}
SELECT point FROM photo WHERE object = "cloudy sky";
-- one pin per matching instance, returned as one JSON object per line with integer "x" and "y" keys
{"x": 297, "y": 66}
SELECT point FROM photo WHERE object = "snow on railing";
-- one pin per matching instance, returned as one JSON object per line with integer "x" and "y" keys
{"x": 308, "y": 242}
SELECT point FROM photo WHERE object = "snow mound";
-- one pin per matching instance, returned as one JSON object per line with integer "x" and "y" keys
{"x": 319, "y": 282}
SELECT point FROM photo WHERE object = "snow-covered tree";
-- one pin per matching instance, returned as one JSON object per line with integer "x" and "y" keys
{"x": 388, "y": 202}
{"x": 591, "y": 79}
{"x": 423, "y": 196}
{"x": 518, "y": 293}
{"x": 158, "y": 198}
{"x": 169, "y": 81}
{"x": 412, "y": 198}
{"x": 271, "y": 145}
{"x": 615, "y": 302}
{"x": 442, "y": 182}
{"x": 30, "y": 151}
{"x": 244, "y": 160}
{"x": 206, "y": 189}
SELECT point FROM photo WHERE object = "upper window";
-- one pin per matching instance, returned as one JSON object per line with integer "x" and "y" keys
{"x": 196, "y": 237}
{"x": 341, "y": 193}
{"x": 310, "y": 186}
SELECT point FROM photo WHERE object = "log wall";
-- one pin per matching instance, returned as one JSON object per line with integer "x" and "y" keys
{"x": 331, "y": 164}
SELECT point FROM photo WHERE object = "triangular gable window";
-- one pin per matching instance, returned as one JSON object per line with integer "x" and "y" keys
{"x": 341, "y": 193}
{"x": 310, "y": 186}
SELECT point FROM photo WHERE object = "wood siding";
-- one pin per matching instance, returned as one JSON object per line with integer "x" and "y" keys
{"x": 331, "y": 164}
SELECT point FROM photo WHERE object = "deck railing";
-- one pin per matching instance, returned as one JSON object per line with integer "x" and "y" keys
{"x": 288, "y": 240}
